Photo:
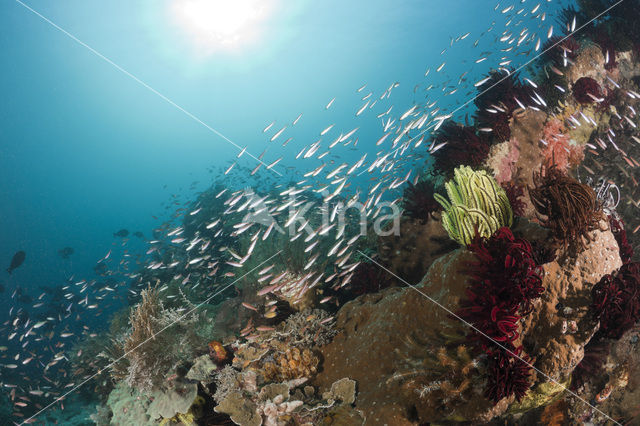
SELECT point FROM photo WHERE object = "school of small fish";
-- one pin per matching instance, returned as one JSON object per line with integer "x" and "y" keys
{"x": 198, "y": 252}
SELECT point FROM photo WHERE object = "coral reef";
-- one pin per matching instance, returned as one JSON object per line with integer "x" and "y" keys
{"x": 294, "y": 363}
{"x": 498, "y": 326}
{"x": 399, "y": 321}
{"x": 476, "y": 204}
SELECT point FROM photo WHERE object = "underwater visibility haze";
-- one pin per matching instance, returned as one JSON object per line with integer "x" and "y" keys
{"x": 288, "y": 212}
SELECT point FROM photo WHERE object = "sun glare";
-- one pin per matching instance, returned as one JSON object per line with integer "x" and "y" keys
{"x": 216, "y": 25}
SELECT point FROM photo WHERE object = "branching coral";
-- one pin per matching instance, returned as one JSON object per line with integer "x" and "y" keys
{"x": 616, "y": 300}
{"x": 418, "y": 201}
{"x": 477, "y": 204}
{"x": 151, "y": 348}
{"x": 558, "y": 148}
{"x": 463, "y": 147}
{"x": 313, "y": 327}
{"x": 565, "y": 206}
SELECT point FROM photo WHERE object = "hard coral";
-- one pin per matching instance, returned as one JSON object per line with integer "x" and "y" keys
{"x": 558, "y": 149}
{"x": 586, "y": 90}
{"x": 418, "y": 200}
{"x": 294, "y": 363}
{"x": 564, "y": 205}
{"x": 616, "y": 300}
{"x": 477, "y": 204}
{"x": 464, "y": 147}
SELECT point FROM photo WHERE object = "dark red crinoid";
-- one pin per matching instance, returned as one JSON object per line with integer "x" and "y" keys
{"x": 463, "y": 147}
{"x": 369, "y": 278}
{"x": 617, "y": 229}
{"x": 556, "y": 49}
{"x": 607, "y": 46}
{"x": 616, "y": 300}
{"x": 505, "y": 280}
{"x": 514, "y": 193}
{"x": 508, "y": 374}
{"x": 586, "y": 90}
{"x": 595, "y": 355}
{"x": 418, "y": 200}
{"x": 499, "y": 97}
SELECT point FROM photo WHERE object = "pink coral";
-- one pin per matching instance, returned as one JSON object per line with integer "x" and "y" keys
{"x": 558, "y": 149}
{"x": 508, "y": 162}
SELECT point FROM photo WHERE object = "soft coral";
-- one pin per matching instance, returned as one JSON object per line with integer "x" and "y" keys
{"x": 558, "y": 149}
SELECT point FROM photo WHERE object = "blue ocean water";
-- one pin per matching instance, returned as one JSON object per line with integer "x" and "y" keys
{"x": 87, "y": 150}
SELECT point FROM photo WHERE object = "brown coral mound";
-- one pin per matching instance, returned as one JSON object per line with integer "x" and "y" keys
{"x": 294, "y": 363}
{"x": 567, "y": 207}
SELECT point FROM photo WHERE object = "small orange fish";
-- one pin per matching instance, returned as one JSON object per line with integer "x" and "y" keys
{"x": 217, "y": 352}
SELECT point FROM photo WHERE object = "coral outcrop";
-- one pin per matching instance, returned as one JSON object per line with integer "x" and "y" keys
{"x": 382, "y": 335}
